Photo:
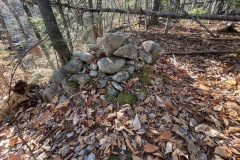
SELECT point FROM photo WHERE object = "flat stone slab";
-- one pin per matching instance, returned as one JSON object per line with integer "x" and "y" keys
{"x": 128, "y": 51}
{"x": 84, "y": 56}
{"x": 111, "y": 64}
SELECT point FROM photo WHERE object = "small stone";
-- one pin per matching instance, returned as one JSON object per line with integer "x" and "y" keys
{"x": 111, "y": 93}
{"x": 141, "y": 93}
{"x": 91, "y": 156}
{"x": 138, "y": 65}
{"x": 74, "y": 66}
{"x": 63, "y": 99}
{"x": 92, "y": 66}
{"x": 117, "y": 86}
{"x": 84, "y": 56}
{"x": 146, "y": 57}
{"x": 129, "y": 68}
{"x": 127, "y": 51}
{"x": 102, "y": 75}
{"x": 121, "y": 76}
{"x": 102, "y": 83}
{"x": 81, "y": 79}
{"x": 152, "y": 48}
{"x": 111, "y": 64}
{"x": 93, "y": 73}
{"x": 50, "y": 92}
{"x": 111, "y": 42}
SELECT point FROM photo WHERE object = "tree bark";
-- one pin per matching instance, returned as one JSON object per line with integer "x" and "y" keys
{"x": 53, "y": 31}
{"x": 6, "y": 34}
{"x": 38, "y": 35}
{"x": 154, "y": 18}
{"x": 60, "y": 8}
{"x": 17, "y": 19}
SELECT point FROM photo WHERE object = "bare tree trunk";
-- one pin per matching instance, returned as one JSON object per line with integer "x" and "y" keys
{"x": 167, "y": 25}
{"x": 146, "y": 17}
{"x": 6, "y": 33}
{"x": 53, "y": 31}
{"x": 93, "y": 26}
{"x": 154, "y": 18}
{"x": 38, "y": 35}
{"x": 60, "y": 8}
{"x": 17, "y": 19}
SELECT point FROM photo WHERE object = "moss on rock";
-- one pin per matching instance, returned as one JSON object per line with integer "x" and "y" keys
{"x": 144, "y": 79}
{"x": 126, "y": 98}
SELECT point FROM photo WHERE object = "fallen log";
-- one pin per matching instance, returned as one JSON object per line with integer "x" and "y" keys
{"x": 156, "y": 13}
{"x": 202, "y": 52}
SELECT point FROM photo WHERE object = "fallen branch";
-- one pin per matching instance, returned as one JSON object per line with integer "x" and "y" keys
{"x": 203, "y": 52}
{"x": 156, "y": 13}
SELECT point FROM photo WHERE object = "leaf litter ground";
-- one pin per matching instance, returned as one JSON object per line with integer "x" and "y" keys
{"x": 191, "y": 111}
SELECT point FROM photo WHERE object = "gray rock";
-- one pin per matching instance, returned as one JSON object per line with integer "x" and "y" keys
{"x": 81, "y": 79}
{"x": 117, "y": 86}
{"x": 146, "y": 57}
{"x": 127, "y": 51}
{"x": 111, "y": 93}
{"x": 138, "y": 65}
{"x": 93, "y": 47}
{"x": 50, "y": 92}
{"x": 111, "y": 64}
{"x": 101, "y": 83}
{"x": 92, "y": 66}
{"x": 141, "y": 93}
{"x": 69, "y": 86}
{"x": 120, "y": 33}
{"x": 129, "y": 68}
{"x": 102, "y": 75}
{"x": 74, "y": 66}
{"x": 121, "y": 76}
{"x": 93, "y": 73}
{"x": 111, "y": 42}
{"x": 58, "y": 76}
{"x": 84, "y": 56}
{"x": 152, "y": 48}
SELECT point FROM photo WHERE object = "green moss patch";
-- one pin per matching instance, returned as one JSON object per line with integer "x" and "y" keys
{"x": 145, "y": 80}
{"x": 126, "y": 98}
{"x": 147, "y": 70}
{"x": 141, "y": 93}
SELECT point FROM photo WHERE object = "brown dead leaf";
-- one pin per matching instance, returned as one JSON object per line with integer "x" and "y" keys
{"x": 166, "y": 135}
{"x": 37, "y": 51}
{"x": 129, "y": 144}
{"x": 222, "y": 151}
{"x": 138, "y": 139}
{"x": 61, "y": 105}
{"x": 90, "y": 123}
{"x": 134, "y": 157}
{"x": 149, "y": 148}
{"x": 13, "y": 141}
{"x": 137, "y": 123}
{"x": 233, "y": 129}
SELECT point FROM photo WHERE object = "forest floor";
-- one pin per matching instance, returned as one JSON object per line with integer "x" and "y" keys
{"x": 192, "y": 110}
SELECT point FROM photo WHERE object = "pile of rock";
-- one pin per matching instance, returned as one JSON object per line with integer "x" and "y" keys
{"x": 108, "y": 63}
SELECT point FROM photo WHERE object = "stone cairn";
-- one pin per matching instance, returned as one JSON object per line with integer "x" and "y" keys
{"x": 108, "y": 63}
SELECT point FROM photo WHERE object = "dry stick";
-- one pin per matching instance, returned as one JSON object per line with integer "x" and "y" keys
{"x": 202, "y": 52}
{"x": 195, "y": 19}
{"x": 9, "y": 93}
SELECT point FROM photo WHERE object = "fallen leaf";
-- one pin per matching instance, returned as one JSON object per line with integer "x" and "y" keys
{"x": 207, "y": 130}
{"x": 222, "y": 152}
{"x": 233, "y": 129}
{"x": 169, "y": 147}
{"x": 166, "y": 135}
{"x": 76, "y": 119}
{"x": 149, "y": 148}
{"x": 138, "y": 139}
{"x": 134, "y": 157}
{"x": 136, "y": 123}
